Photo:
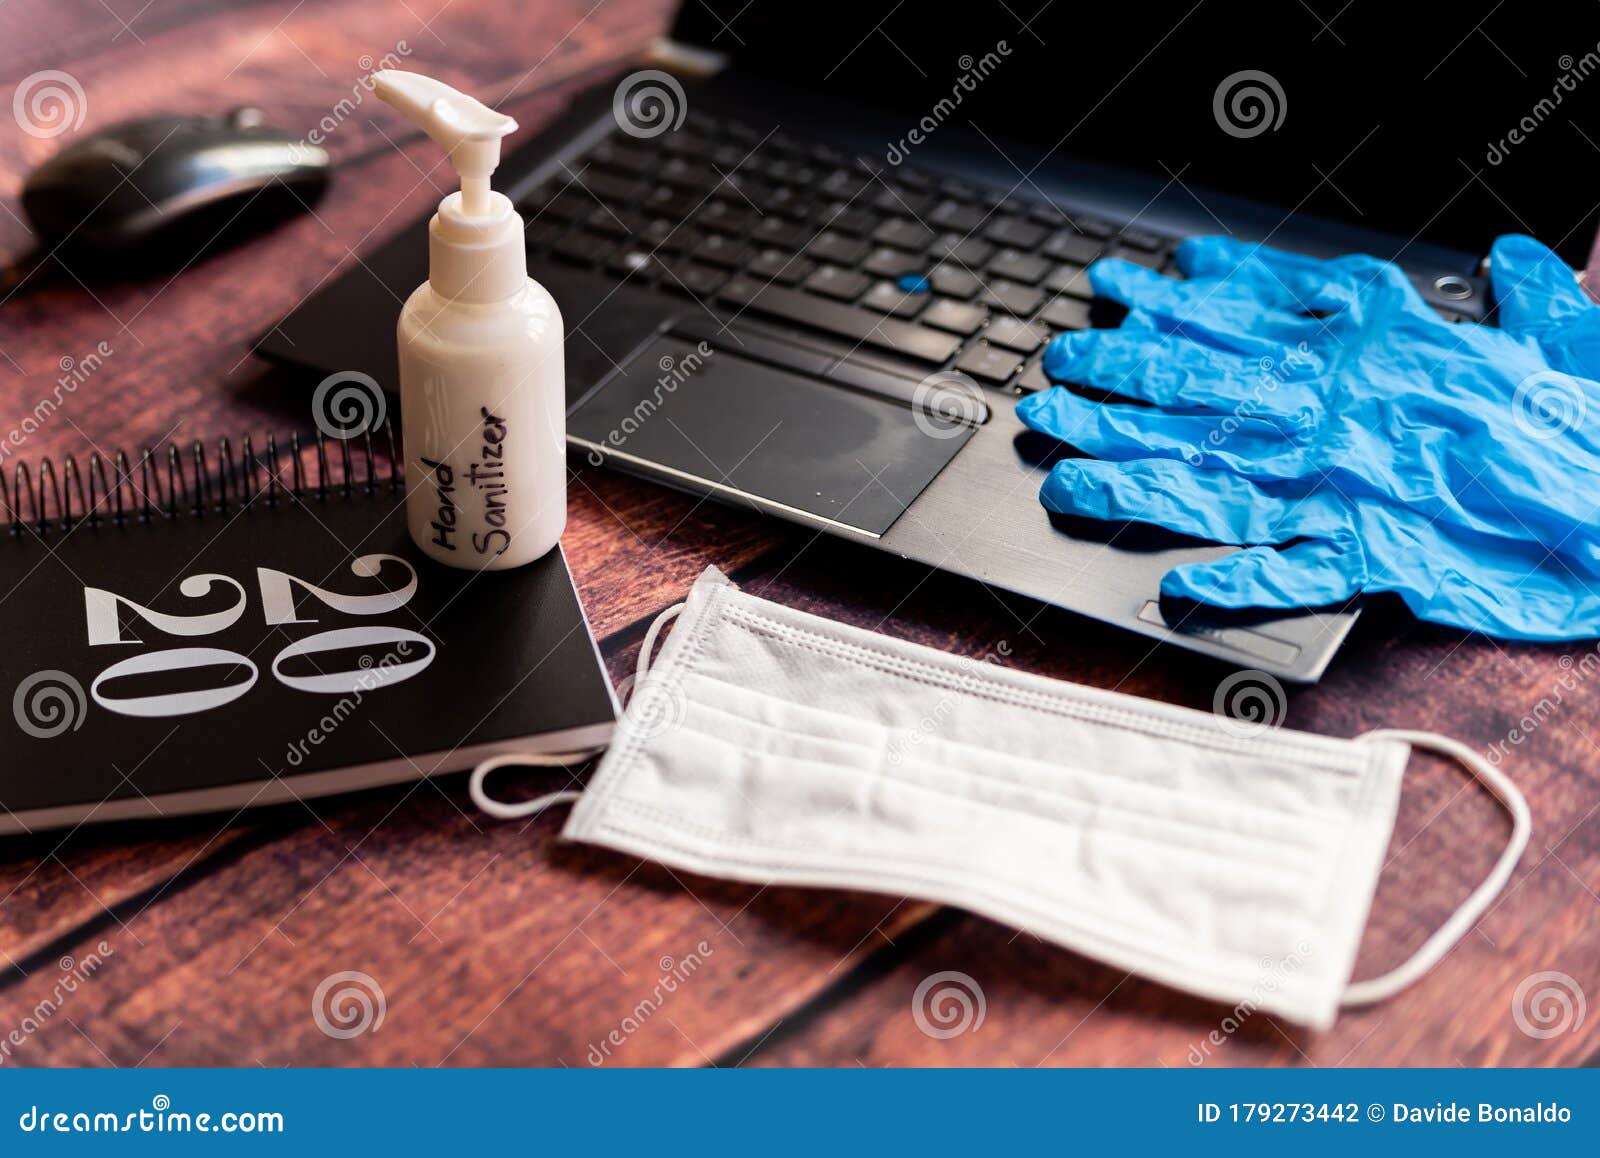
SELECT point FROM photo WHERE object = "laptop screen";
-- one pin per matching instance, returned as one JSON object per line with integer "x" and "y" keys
{"x": 1447, "y": 122}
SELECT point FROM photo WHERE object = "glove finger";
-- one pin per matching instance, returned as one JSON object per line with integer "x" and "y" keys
{"x": 1208, "y": 504}
{"x": 1313, "y": 573}
{"x": 1297, "y": 283}
{"x": 1178, "y": 374}
{"x": 1244, "y": 311}
{"x": 1254, "y": 446}
{"x": 1532, "y": 286}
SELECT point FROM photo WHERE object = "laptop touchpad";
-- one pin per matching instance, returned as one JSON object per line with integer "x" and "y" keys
{"x": 850, "y": 445}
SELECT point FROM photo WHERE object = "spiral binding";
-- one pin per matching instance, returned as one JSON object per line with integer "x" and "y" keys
{"x": 162, "y": 483}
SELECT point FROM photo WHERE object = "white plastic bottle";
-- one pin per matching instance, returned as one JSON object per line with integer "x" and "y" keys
{"x": 482, "y": 373}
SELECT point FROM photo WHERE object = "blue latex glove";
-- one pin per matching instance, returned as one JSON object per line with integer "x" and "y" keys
{"x": 1382, "y": 444}
{"x": 1489, "y": 430}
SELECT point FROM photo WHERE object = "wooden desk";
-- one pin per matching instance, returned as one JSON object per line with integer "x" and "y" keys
{"x": 493, "y": 943}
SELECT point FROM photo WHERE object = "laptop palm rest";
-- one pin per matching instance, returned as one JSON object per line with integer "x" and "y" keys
{"x": 783, "y": 426}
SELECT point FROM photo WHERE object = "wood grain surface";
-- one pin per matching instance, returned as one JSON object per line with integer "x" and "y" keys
{"x": 497, "y": 944}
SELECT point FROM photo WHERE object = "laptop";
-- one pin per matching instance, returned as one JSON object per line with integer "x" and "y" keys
{"x": 809, "y": 254}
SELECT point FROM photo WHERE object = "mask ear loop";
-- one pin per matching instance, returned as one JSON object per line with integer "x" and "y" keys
{"x": 1444, "y": 938}
{"x": 502, "y": 811}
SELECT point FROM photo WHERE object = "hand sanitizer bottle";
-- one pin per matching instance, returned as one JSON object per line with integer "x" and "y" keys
{"x": 482, "y": 379}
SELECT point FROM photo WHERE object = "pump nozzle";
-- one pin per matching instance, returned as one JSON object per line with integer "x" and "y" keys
{"x": 468, "y": 128}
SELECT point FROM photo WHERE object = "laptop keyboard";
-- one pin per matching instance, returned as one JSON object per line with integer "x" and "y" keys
{"x": 941, "y": 271}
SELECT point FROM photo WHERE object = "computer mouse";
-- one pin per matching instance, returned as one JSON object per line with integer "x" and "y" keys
{"x": 161, "y": 190}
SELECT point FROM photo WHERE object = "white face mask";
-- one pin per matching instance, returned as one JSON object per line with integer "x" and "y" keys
{"x": 773, "y": 746}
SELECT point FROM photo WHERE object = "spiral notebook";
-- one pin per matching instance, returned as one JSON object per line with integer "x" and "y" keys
{"x": 211, "y": 630}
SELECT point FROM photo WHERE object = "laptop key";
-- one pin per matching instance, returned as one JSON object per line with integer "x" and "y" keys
{"x": 687, "y": 277}
{"x": 1069, "y": 245}
{"x": 540, "y": 234}
{"x": 1012, "y": 297}
{"x": 723, "y": 251}
{"x": 788, "y": 202}
{"x": 843, "y": 218}
{"x": 955, "y": 282}
{"x": 841, "y": 249}
{"x": 614, "y": 223}
{"x": 1014, "y": 335}
{"x": 967, "y": 251}
{"x": 1094, "y": 226}
{"x": 568, "y": 205}
{"x": 989, "y": 363}
{"x": 775, "y": 265}
{"x": 610, "y": 188}
{"x": 1155, "y": 261}
{"x": 667, "y": 236}
{"x": 1014, "y": 231}
{"x": 833, "y": 282}
{"x": 613, "y": 154}
{"x": 903, "y": 234}
{"x": 901, "y": 200}
{"x": 1019, "y": 266}
{"x": 1033, "y": 378}
{"x": 584, "y": 247}
{"x": 1070, "y": 279}
{"x": 686, "y": 173}
{"x": 907, "y": 339}
{"x": 1065, "y": 314}
{"x": 723, "y": 217}
{"x": 1142, "y": 238}
{"x": 891, "y": 263}
{"x": 957, "y": 317}
{"x": 953, "y": 215}
{"x": 780, "y": 232}
{"x": 633, "y": 262}
{"x": 844, "y": 183}
{"x": 674, "y": 203}
{"x": 888, "y": 298}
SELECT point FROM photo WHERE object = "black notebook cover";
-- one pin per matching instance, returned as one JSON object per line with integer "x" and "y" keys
{"x": 175, "y": 640}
